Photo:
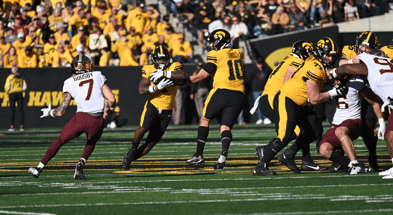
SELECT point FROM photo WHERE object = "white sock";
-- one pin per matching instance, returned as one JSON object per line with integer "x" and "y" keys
{"x": 222, "y": 159}
{"x": 353, "y": 162}
{"x": 41, "y": 165}
{"x": 83, "y": 160}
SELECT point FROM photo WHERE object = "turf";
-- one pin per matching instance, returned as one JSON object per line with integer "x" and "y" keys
{"x": 161, "y": 182}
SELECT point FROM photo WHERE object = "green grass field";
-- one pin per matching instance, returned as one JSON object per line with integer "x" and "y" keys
{"x": 162, "y": 182}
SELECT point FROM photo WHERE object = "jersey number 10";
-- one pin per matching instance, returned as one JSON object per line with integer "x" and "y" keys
{"x": 238, "y": 69}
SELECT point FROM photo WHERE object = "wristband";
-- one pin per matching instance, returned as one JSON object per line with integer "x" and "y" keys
{"x": 381, "y": 122}
{"x": 152, "y": 89}
{"x": 350, "y": 61}
{"x": 333, "y": 93}
{"x": 168, "y": 74}
{"x": 51, "y": 113}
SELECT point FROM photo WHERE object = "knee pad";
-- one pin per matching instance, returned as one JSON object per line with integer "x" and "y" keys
{"x": 277, "y": 144}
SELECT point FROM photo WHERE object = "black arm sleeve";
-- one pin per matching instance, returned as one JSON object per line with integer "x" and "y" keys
{"x": 210, "y": 68}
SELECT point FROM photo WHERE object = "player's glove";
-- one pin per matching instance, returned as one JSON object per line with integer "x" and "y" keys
{"x": 110, "y": 115}
{"x": 381, "y": 129}
{"x": 160, "y": 86}
{"x": 47, "y": 111}
{"x": 338, "y": 90}
{"x": 155, "y": 76}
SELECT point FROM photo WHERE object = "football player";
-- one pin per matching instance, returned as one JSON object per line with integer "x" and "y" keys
{"x": 157, "y": 83}
{"x": 346, "y": 125}
{"x": 379, "y": 76}
{"x": 226, "y": 98}
{"x": 301, "y": 50}
{"x": 388, "y": 50}
{"x": 366, "y": 42}
{"x": 291, "y": 102}
{"x": 89, "y": 90}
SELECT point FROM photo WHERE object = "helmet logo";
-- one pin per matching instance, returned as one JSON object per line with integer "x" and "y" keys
{"x": 307, "y": 46}
{"x": 219, "y": 34}
{"x": 321, "y": 43}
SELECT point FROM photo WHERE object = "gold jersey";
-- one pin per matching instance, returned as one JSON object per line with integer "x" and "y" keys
{"x": 388, "y": 50}
{"x": 276, "y": 78}
{"x": 230, "y": 69}
{"x": 349, "y": 52}
{"x": 296, "y": 89}
{"x": 162, "y": 99}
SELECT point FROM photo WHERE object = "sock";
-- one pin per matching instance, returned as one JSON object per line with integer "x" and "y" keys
{"x": 41, "y": 165}
{"x": 269, "y": 153}
{"x": 226, "y": 138}
{"x": 83, "y": 161}
{"x": 203, "y": 132}
{"x": 338, "y": 157}
{"x": 134, "y": 145}
{"x": 353, "y": 162}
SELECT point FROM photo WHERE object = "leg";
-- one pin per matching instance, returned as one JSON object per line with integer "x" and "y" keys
{"x": 20, "y": 110}
{"x": 177, "y": 109}
{"x": 370, "y": 138}
{"x": 346, "y": 143}
{"x": 12, "y": 99}
{"x": 326, "y": 150}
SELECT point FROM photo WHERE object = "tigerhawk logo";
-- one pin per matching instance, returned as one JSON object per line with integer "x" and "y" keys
{"x": 219, "y": 34}
{"x": 321, "y": 43}
{"x": 307, "y": 46}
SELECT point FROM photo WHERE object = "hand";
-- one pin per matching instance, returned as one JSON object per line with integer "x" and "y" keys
{"x": 110, "y": 115}
{"x": 341, "y": 89}
{"x": 46, "y": 111}
{"x": 156, "y": 75}
{"x": 164, "y": 83}
{"x": 381, "y": 129}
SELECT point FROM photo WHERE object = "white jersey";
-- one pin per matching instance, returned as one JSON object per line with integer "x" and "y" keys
{"x": 86, "y": 89}
{"x": 380, "y": 75}
{"x": 350, "y": 106}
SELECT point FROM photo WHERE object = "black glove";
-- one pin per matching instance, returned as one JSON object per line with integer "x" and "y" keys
{"x": 341, "y": 89}
{"x": 110, "y": 116}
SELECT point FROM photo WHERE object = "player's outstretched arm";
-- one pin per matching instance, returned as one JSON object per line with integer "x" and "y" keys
{"x": 60, "y": 111}
{"x": 178, "y": 74}
{"x": 351, "y": 69}
{"x": 109, "y": 96}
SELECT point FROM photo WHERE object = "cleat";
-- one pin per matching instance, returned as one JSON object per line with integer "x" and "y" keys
{"x": 196, "y": 160}
{"x": 79, "y": 171}
{"x": 386, "y": 172}
{"x": 128, "y": 158}
{"x": 259, "y": 151}
{"x": 311, "y": 166}
{"x": 373, "y": 164}
{"x": 221, "y": 160}
{"x": 335, "y": 167}
{"x": 388, "y": 177}
{"x": 35, "y": 171}
{"x": 357, "y": 169}
{"x": 287, "y": 159}
{"x": 262, "y": 170}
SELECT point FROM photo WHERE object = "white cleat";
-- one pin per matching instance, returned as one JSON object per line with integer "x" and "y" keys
{"x": 386, "y": 172}
{"x": 388, "y": 177}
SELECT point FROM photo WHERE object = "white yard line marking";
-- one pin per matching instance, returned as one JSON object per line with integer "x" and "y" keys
{"x": 324, "y": 212}
{"x": 23, "y": 213}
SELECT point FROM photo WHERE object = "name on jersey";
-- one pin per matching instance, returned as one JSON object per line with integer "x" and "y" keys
{"x": 83, "y": 76}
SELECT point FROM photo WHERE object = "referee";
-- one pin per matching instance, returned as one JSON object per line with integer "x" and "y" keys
{"x": 14, "y": 87}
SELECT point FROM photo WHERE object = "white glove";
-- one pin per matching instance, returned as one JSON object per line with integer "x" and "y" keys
{"x": 338, "y": 90}
{"x": 164, "y": 83}
{"x": 155, "y": 76}
{"x": 381, "y": 129}
{"x": 47, "y": 111}
{"x": 388, "y": 102}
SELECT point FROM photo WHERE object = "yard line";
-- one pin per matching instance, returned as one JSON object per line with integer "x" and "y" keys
{"x": 23, "y": 213}
{"x": 324, "y": 212}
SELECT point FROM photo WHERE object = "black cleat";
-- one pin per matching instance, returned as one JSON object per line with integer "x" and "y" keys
{"x": 262, "y": 170}
{"x": 35, "y": 171}
{"x": 357, "y": 169}
{"x": 287, "y": 158}
{"x": 79, "y": 171}
{"x": 311, "y": 166}
{"x": 128, "y": 158}
{"x": 335, "y": 167}
{"x": 259, "y": 151}
{"x": 196, "y": 160}
{"x": 373, "y": 164}
{"x": 221, "y": 160}
{"x": 219, "y": 165}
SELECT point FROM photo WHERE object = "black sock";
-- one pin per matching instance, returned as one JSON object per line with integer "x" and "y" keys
{"x": 203, "y": 132}
{"x": 134, "y": 145}
{"x": 226, "y": 138}
{"x": 338, "y": 157}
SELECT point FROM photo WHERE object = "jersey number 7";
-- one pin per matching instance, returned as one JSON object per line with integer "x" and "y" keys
{"x": 90, "y": 90}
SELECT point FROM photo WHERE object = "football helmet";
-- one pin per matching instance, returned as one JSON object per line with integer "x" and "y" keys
{"x": 81, "y": 64}
{"x": 368, "y": 39}
{"x": 326, "y": 46}
{"x": 302, "y": 49}
{"x": 160, "y": 53}
{"x": 220, "y": 39}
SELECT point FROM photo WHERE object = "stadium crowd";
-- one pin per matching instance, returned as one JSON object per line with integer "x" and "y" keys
{"x": 38, "y": 33}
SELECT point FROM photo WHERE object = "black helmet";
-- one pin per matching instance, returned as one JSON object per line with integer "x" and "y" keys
{"x": 368, "y": 39}
{"x": 302, "y": 49}
{"x": 81, "y": 64}
{"x": 326, "y": 46}
{"x": 221, "y": 39}
{"x": 160, "y": 53}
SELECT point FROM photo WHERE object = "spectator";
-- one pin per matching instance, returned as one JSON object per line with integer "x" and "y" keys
{"x": 161, "y": 26}
{"x": 138, "y": 19}
{"x": 4, "y": 47}
{"x": 249, "y": 7}
{"x": 39, "y": 23}
{"x": 97, "y": 41}
{"x": 61, "y": 57}
{"x": 351, "y": 11}
{"x": 19, "y": 27}
{"x": 316, "y": 6}
{"x": 134, "y": 40}
{"x": 185, "y": 11}
{"x": 258, "y": 77}
{"x": 105, "y": 57}
{"x": 263, "y": 24}
{"x": 10, "y": 60}
{"x": 280, "y": 21}
{"x": 218, "y": 20}
{"x": 202, "y": 5}
{"x": 87, "y": 52}
{"x": 326, "y": 20}
{"x": 336, "y": 10}
{"x": 55, "y": 19}
{"x": 161, "y": 41}
{"x": 111, "y": 28}
{"x": 230, "y": 10}
{"x": 101, "y": 16}
{"x": 153, "y": 15}
{"x": 368, "y": 6}
{"x": 244, "y": 16}
{"x": 78, "y": 20}
{"x": 127, "y": 58}
{"x": 50, "y": 48}
{"x": 31, "y": 36}
{"x": 182, "y": 50}
{"x": 80, "y": 38}
{"x": 297, "y": 20}
{"x": 199, "y": 91}
{"x": 42, "y": 57}
{"x": 121, "y": 44}
{"x": 14, "y": 86}
{"x": 149, "y": 38}
{"x": 202, "y": 20}
{"x": 27, "y": 59}
{"x": 227, "y": 24}
{"x": 239, "y": 31}
{"x": 20, "y": 44}
{"x": 78, "y": 51}
{"x": 25, "y": 20}
{"x": 144, "y": 60}
{"x": 10, "y": 37}
{"x": 271, "y": 7}
{"x": 3, "y": 27}
{"x": 61, "y": 34}
{"x": 169, "y": 35}
{"x": 304, "y": 7}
